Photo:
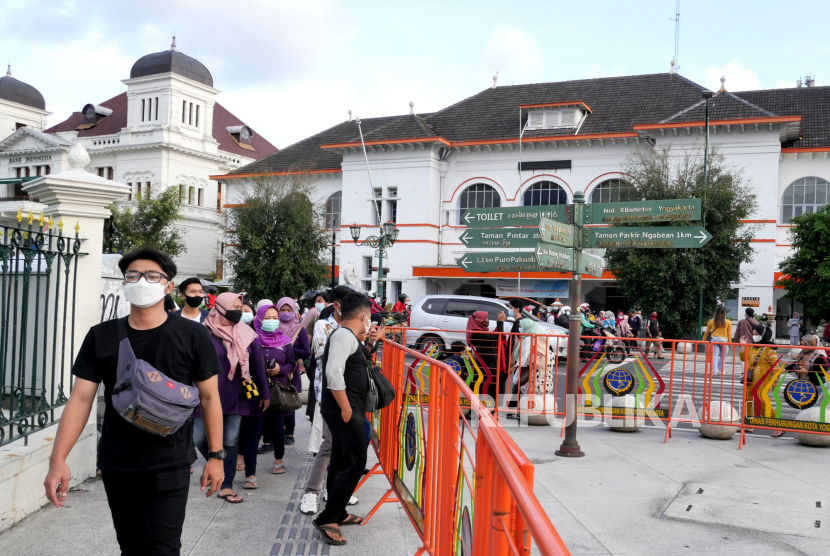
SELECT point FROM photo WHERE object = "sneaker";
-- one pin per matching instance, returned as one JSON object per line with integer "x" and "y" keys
{"x": 265, "y": 448}
{"x": 289, "y": 440}
{"x": 715, "y": 374}
{"x": 308, "y": 505}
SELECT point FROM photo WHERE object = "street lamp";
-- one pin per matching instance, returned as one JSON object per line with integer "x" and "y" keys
{"x": 388, "y": 237}
{"x": 707, "y": 96}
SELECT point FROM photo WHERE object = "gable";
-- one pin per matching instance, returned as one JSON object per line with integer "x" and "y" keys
{"x": 26, "y": 139}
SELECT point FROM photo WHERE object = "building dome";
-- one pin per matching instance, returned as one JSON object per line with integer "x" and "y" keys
{"x": 172, "y": 61}
{"x": 14, "y": 90}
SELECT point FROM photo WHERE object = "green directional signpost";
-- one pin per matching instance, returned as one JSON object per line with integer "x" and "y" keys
{"x": 663, "y": 237}
{"x": 506, "y": 238}
{"x": 554, "y": 257}
{"x": 499, "y": 261}
{"x": 515, "y": 217}
{"x": 672, "y": 210}
{"x": 558, "y": 233}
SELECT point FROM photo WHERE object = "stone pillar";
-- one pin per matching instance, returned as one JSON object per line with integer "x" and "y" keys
{"x": 79, "y": 198}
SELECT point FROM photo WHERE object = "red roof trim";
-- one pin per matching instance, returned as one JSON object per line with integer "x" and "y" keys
{"x": 386, "y": 142}
{"x": 806, "y": 150}
{"x": 768, "y": 120}
{"x": 569, "y": 103}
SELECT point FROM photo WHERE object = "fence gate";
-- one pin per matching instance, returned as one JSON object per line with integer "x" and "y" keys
{"x": 37, "y": 315}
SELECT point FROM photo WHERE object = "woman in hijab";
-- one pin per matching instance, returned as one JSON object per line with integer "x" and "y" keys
{"x": 624, "y": 331}
{"x": 486, "y": 346}
{"x": 293, "y": 328}
{"x": 278, "y": 332}
{"x": 242, "y": 371}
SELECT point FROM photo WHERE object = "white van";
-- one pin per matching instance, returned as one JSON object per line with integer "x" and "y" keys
{"x": 443, "y": 318}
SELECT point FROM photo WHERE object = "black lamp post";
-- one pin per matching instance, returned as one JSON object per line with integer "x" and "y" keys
{"x": 388, "y": 237}
{"x": 707, "y": 96}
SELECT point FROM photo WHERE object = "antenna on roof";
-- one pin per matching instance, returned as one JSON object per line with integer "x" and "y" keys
{"x": 9, "y": 69}
{"x": 676, "y": 18}
{"x": 411, "y": 107}
{"x": 173, "y": 45}
{"x": 495, "y": 80}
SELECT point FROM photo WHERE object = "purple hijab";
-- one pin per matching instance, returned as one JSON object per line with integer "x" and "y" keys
{"x": 273, "y": 339}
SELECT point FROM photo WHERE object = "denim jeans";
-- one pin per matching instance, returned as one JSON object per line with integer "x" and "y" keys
{"x": 230, "y": 437}
{"x": 717, "y": 354}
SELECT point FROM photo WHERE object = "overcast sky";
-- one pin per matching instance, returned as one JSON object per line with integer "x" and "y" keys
{"x": 292, "y": 68}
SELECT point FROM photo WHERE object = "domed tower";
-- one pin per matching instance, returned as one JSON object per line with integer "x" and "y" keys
{"x": 20, "y": 105}
{"x": 170, "y": 90}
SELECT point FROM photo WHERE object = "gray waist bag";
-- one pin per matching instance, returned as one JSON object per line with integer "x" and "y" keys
{"x": 146, "y": 397}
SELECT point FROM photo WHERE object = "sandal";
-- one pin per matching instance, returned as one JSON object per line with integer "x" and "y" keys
{"x": 240, "y": 467}
{"x": 324, "y": 533}
{"x": 776, "y": 434}
{"x": 352, "y": 520}
{"x": 227, "y": 498}
{"x": 277, "y": 469}
{"x": 250, "y": 484}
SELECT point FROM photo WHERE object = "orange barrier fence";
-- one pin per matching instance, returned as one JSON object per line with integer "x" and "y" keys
{"x": 638, "y": 381}
{"x": 465, "y": 485}
{"x": 768, "y": 386}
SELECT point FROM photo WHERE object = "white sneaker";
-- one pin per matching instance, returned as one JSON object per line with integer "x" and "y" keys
{"x": 308, "y": 505}
{"x": 352, "y": 501}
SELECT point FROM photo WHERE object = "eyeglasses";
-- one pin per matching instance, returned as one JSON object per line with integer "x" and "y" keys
{"x": 150, "y": 276}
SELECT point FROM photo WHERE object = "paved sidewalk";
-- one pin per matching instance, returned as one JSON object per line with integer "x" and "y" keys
{"x": 631, "y": 495}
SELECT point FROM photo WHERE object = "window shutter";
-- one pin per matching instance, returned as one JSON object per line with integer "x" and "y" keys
{"x": 535, "y": 119}
{"x": 551, "y": 118}
{"x": 569, "y": 117}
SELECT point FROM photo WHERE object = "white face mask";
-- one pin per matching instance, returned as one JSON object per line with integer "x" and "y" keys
{"x": 368, "y": 325}
{"x": 756, "y": 339}
{"x": 247, "y": 317}
{"x": 320, "y": 306}
{"x": 143, "y": 294}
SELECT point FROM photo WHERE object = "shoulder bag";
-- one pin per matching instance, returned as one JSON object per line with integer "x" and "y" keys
{"x": 284, "y": 397}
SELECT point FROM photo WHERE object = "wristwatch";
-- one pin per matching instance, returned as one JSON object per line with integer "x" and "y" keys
{"x": 217, "y": 455}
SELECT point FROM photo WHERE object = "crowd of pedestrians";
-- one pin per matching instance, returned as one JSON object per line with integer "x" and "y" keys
{"x": 217, "y": 375}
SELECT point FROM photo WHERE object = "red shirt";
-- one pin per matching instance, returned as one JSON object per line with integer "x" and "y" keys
{"x": 211, "y": 300}
{"x": 399, "y": 308}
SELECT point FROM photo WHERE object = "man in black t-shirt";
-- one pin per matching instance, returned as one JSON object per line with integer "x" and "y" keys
{"x": 146, "y": 477}
{"x": 343, "y": 406}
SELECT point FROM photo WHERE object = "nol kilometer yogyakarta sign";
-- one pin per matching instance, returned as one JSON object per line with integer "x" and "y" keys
{"x": 670, "y": 210}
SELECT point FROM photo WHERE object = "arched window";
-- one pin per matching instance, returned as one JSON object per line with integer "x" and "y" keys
{"x": 804, "y": 196}
{"x": 613, "y": 191}
{"x": 544, "y": 193}
{"x": 479, "y": 195}
{"x": 333, "y": 210}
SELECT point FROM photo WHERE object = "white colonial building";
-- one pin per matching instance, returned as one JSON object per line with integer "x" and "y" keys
{"x": 537, "y": 144}
{"x": 165, "y": 130}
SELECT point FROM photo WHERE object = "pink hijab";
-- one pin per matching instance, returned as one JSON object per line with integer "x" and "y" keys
{"x": 289, "y": 328}
{"x": 236, "y": 337}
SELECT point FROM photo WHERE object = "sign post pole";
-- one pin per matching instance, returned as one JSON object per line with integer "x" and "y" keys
{"x": 570, "y": 446}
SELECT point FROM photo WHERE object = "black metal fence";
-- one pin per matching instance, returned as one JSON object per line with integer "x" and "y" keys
{"x": 37, "y": 324}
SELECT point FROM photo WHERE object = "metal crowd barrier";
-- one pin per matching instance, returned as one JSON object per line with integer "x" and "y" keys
{"x": 465, "y": 485}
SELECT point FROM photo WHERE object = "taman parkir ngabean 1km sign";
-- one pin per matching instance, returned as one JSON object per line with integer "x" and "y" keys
{"x": 662, "y": 237}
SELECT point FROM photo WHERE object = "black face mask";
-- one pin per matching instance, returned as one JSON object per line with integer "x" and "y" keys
{"x": 194, "y": 301}
{"x": 233, "y": 315}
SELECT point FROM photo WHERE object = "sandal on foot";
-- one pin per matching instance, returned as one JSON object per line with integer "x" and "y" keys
{"x": 352, "y": 520}
{"x": 250, "y": 484}
{"x": 240, "y": 467}
{"x": 776, "y": 434}
{"x": 277, "y": 469}
{"x": 324, "y": 533}
{"x": 227, "y": 498}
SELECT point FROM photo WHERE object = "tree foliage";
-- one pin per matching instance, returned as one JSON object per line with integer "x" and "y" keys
{"x": 807, "y": 270}
{"x": 149, "y": 221}
{"x": 277, "y": 239}
{"x": 669, "y": 280}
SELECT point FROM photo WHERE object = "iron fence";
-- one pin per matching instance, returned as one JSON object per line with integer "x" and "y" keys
{"x": 38, "y": 271}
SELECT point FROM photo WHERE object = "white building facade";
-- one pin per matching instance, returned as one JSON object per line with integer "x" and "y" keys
{"x": 531, "y": 145}
{"x": 166, "y": 130}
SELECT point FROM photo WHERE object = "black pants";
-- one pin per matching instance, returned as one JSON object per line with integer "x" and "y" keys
{"x": 273, "y": 432}
{"x": 249, "y": 434}
{"x": 148, "y": 509}
{"x": 631, "y": 345}
{"x": 348, "y": 460}
{"x": 290, "y": 423}
{"x": 312, "y": 399}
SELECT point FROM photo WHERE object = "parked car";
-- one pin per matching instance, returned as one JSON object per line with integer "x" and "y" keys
{"x": 443, "y": 319}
